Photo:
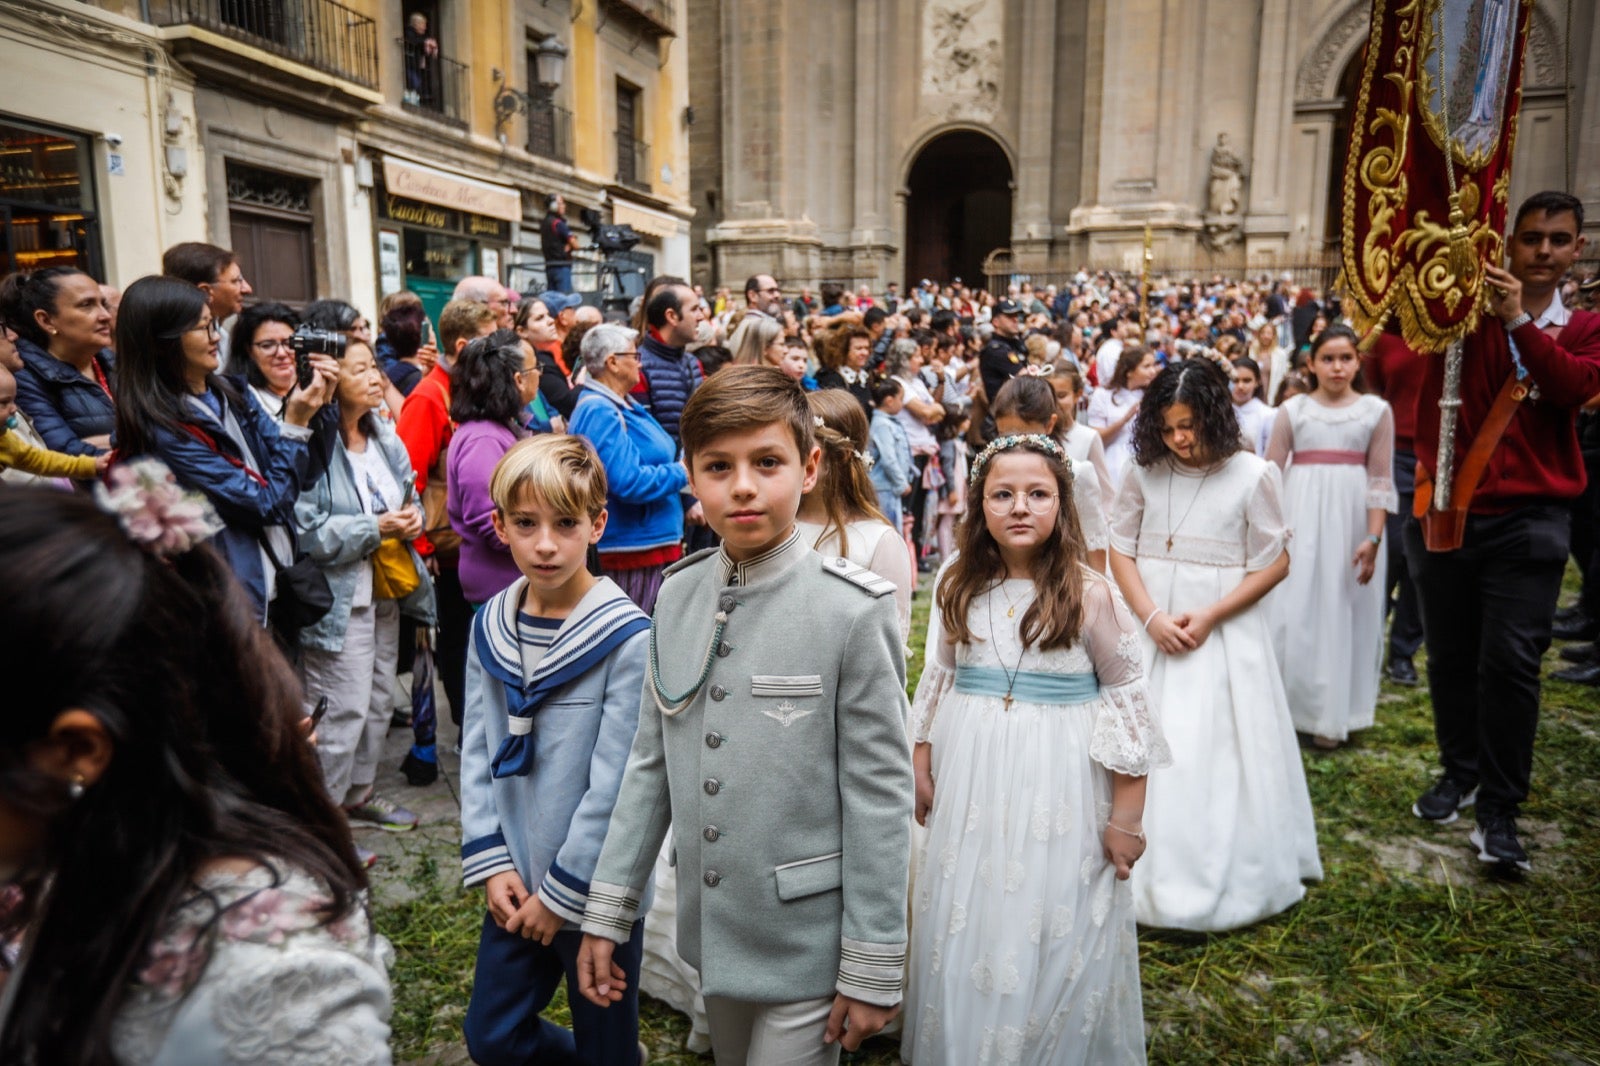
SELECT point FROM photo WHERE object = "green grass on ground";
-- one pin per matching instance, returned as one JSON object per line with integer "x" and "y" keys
{"x": 1408, "y": 952}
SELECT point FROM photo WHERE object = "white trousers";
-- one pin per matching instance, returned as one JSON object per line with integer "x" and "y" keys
{"x": 770, "y": 1034}
{"x": 359, "y": 684}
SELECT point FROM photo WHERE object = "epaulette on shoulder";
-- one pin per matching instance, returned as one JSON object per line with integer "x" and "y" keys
{"x": 860, "y": 576}
{"x": 688, "y": 561}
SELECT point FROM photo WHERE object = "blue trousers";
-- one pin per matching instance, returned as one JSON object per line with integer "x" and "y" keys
{"x": 516, "y": 979}
{"x": 559, "y": 278}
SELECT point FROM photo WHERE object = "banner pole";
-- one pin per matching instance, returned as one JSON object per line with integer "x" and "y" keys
{"x": 1449, "y": 403}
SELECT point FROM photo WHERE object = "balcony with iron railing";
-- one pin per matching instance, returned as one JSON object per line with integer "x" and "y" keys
{"x": 435, "y": 84}
{"x": 322, "y": 35}
{"x": 657, "y": 18}
{"x": 550, "y": 132}
{"x": 633, "y": 162}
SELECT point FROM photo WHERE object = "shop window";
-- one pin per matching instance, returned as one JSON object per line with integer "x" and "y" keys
{"x": 47, "y": 200}
{"x": 273, "y": 232}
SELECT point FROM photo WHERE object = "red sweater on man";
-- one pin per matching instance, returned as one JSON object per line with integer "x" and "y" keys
{"x": 1395, "y": 371}
{"x": 425, "y": 429}
{"x": 1537, "y": 460}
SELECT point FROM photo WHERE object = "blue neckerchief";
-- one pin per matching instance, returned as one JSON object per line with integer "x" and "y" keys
{"x": 601, "y": 621}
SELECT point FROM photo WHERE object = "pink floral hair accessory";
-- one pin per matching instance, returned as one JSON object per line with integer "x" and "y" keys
{"x": 155, "y": 511}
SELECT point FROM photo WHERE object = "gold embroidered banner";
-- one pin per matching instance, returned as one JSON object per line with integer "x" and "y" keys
{"x": 1429, "y": 169}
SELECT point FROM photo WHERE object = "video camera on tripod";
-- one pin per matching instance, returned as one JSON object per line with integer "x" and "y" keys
{"x": 609, "y": 237}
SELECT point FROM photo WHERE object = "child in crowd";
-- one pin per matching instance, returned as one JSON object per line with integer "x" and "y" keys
{"x": 16, "y": 453}
{"x": 951, "y": 503}
{"x": 796, "y": 362}
{"x": 1197, "y": 539}
{"x": 1082, "y": 443}
{"x": 891, "y": 452}
{"x": 1295, "y": 383}
{"x": 1255, "y": 417}
{"x": 773, "y": 739}
{"x": 553, "y": 681}
{"x": 1034, "y": 735}
{"x": 1327, "y": 619}
{"x": 840, "y": 516}
{"x": 1027, "y": 404}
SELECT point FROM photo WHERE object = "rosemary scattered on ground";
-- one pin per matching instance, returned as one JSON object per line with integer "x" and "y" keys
{"x": 1408, "y": 951}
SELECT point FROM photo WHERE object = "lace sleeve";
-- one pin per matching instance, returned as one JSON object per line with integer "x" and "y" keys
{"x": 1267, "y": 532}
{"x": 1127, "y": 513}
{"x": 938, "y": 675}
{"x": 1280, "y": 442}
{"x": 1127, "y": 737}
{"x": 1380, "y": 463}
{"x": 1091, "y": 513}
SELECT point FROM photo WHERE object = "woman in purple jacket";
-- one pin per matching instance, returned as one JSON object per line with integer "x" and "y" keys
{"x": 493, "y": 381}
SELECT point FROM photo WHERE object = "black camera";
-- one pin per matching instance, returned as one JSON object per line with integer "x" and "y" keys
{"x": 307, "y": 342}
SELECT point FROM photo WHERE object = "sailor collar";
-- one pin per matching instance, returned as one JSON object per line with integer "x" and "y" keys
{"x": 769, "y": 564}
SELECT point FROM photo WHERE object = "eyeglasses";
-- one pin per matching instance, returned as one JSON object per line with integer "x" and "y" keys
{"x": 631, "y": 353}
{"x": 268, "y": 347}
{"x": 211, "y": 328}
{"x": 1004, "y": 501}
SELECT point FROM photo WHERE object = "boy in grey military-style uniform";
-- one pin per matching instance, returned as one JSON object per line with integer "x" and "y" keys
{"x": 772, "y": 738}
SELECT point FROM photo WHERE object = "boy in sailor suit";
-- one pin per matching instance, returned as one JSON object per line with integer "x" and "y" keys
{"x": 772, "y": 737}
{"x": 553, "y": 680}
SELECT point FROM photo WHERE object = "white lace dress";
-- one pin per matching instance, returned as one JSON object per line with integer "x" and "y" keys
{"x": 1328, "y": 630}
{"x": 1229, "y": 826}
{"x": 247, "y": 972}
{"x": 1023, "y": 947}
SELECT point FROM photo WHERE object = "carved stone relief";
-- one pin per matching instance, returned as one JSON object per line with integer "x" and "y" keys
{"x": 1335, "y": 46}
{"x": 961, "y": 57}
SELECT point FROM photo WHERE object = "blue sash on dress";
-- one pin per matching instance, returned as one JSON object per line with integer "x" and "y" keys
{"x": 1030, "y": 686}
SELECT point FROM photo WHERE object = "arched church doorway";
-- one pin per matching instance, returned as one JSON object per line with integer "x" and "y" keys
{"x": 1339, "y": 147}
{"x": 959, "y": 207}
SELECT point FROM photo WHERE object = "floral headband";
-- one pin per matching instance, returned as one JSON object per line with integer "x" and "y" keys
{"x": 155, "y": 511}
{"x": 1038, "y": 441}
{"x": 865, "y": 459}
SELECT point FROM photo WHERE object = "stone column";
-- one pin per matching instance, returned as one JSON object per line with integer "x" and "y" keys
{"x": 1036, "y": 91}
{"x": 1266, "y": 224}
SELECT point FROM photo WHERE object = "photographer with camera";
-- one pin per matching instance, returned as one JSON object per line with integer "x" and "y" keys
{"x": 172, "y": 403}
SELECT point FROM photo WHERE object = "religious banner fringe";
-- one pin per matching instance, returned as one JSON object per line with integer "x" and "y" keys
{"x": 1428, "y": 174}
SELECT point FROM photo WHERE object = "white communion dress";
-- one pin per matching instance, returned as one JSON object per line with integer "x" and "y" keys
{"x": 1328, "y": 630}
{"x": 1023, "y": 945}
{"x": 1230, "y": 830}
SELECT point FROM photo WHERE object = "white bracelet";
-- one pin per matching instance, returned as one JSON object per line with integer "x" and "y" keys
{"x": 1128, "y": 832}
{"x": 1152, "y": 618}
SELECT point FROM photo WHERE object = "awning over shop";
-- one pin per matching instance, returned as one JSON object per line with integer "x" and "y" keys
{"x": 417, "y": 181}
{"x": 657, "y": 224}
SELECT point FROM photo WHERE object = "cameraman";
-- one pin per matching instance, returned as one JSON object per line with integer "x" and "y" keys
{"x": 557, "y": 244}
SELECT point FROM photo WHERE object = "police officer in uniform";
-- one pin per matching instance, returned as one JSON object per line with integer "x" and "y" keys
{"x": 1004, "y": 356}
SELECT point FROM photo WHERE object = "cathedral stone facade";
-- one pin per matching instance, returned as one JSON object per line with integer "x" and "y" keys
{"x": 868, "y": 141}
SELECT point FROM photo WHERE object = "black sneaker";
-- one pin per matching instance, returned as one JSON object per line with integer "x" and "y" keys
{"x": 1441, "y": 802}
{"x": 1496, "y": 840}
{"x": 1401, "y": 671}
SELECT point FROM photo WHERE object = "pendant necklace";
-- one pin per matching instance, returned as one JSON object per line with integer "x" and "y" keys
{"x": 1011, "y": 674}
{"x": 1172, "y": 530}
{"x": 1011, "y": 605}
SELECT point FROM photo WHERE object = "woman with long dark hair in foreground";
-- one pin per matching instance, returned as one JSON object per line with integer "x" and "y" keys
{"x": 185, "y": 889}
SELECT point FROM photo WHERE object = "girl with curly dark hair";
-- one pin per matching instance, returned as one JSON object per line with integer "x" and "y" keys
{"x": 1197, "y": 540}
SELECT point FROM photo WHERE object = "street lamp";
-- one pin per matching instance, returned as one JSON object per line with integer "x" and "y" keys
{"x": 549, "y": 63}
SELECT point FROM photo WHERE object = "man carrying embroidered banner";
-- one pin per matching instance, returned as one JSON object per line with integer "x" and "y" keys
{"x": 1426, "y": 188}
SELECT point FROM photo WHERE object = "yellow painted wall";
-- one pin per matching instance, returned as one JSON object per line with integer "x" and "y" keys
{"x": 588, "y": 141}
